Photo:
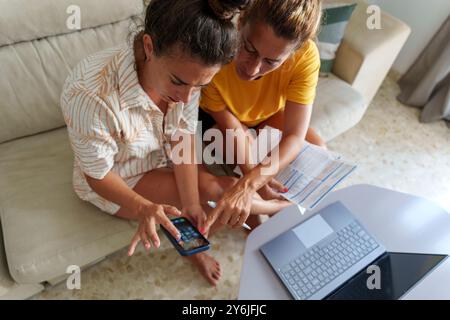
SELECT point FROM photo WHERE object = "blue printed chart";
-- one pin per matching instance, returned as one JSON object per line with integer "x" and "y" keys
{"x": 312, "y": 175}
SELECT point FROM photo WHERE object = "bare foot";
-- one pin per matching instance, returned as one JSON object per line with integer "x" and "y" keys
{"x": 208, "y": 267}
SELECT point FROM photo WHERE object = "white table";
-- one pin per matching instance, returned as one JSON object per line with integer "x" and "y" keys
{"x": 401, "y": 222}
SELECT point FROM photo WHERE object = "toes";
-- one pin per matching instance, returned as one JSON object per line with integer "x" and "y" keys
{"x": 216, "y": 276}
{"x": 210, "y": 268}
{"x": 213, "y": 280}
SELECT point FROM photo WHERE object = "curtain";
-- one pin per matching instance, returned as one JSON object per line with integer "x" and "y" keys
{"x": 427, "y": 83}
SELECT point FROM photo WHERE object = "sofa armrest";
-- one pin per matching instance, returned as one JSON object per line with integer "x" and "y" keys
{"x": 365, "y": 56}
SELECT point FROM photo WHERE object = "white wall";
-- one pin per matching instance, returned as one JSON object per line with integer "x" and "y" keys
{"x": 423, "y": 16}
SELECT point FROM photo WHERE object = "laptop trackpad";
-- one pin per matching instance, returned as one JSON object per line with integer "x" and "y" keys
{"x": 313, "y": 231}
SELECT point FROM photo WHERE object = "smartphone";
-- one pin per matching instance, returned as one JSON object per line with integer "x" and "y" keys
{"x": 191, "y": 242}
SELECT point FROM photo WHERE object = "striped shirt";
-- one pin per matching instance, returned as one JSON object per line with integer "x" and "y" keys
{"x": 113, "y": 125}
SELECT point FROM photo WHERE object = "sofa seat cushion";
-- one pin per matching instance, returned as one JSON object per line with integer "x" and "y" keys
{"x": 46, "y": 227}
{"x": 337, "y": 107}
{"x": 9, "y": 289}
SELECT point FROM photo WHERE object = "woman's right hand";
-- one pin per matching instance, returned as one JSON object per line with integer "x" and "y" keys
{"x": 151, "y": 214}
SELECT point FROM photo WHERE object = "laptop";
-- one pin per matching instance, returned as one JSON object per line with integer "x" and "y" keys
{"x": 331, "y": 255}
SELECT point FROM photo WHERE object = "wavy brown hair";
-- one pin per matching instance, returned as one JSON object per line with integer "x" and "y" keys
{"x": 295, "y": 20}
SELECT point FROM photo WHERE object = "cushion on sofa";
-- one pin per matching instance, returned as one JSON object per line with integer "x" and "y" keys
{"x": 46, "y": 227}
{"x": 34, "y": 71}
{"x": 9, "y": 289}
{"x": 23, "y": 20}
{"x": 334, "y": 22}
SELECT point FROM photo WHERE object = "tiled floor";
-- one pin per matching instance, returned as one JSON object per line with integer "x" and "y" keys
{"x": 392, "y": 150}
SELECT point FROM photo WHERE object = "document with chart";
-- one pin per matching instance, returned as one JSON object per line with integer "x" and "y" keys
{"x": 312, "y": 175}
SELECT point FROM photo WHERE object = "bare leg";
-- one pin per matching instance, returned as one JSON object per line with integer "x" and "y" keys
{"x": 159, "y": 186}
{"x": 212, "y": 188}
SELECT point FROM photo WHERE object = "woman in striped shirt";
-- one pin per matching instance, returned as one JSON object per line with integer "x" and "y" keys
{"x": 128, "y": 108}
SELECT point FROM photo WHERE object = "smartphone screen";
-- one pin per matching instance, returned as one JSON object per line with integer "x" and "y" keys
{"x": 192, "y": 241}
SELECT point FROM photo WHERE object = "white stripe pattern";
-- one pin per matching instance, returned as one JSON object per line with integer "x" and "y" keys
{"x": 114, "y": 125}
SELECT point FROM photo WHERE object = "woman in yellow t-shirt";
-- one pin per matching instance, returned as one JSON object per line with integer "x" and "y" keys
{"x": 272, "y": 81}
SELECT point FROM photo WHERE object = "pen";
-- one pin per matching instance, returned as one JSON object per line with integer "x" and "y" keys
{"x": 213, "y": 205}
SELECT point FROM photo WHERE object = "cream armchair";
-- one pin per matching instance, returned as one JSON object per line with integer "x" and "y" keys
{"x": 363, "y": 60}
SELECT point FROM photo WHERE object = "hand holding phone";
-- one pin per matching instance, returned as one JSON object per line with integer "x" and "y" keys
{"x": 191, "y": 242}
{"x": 150, "y": 214}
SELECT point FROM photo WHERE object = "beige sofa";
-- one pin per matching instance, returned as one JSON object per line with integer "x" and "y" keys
{"x": 46, "y": 228}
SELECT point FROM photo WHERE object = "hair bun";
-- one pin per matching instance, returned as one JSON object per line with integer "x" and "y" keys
{"x": 227, "y": 9}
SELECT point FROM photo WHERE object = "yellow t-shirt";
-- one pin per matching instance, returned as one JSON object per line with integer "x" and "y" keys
{"x": 253, "y": 102}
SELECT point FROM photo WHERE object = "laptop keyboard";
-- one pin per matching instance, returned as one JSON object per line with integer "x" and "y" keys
{"x": 311, "y": 271}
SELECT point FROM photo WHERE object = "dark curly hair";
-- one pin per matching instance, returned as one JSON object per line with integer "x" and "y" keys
{"x": 203, "y": 28}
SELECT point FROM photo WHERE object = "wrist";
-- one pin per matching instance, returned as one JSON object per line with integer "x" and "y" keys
{"x": 138, "y": 203}
{"x": 254, "y": 181}
{"x": 246, "y": 168}
{"x": 191, "y": 201}
{"x": 191, "y": 205}
{"x": 249, "y": 182}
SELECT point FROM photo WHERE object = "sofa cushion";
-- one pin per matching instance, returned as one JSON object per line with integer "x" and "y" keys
{"x": 46, "y": 227}
{"x": 10, "y": 290}
{"x": 33, "y": 72}
{"x": 24, "y": 20}
{"x": 337, "y": 108}
{"x": 334, "y": 23}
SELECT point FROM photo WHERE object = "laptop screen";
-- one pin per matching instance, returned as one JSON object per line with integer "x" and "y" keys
{"x": 398, "y": 273}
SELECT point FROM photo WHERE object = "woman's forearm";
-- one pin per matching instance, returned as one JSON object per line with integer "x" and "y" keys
{"x": 243, "y": 151}
{"x": 186, "y": 175}
{"x": 240, "y": 146}
{"x": 296, "y": 122}
{"x": 113, "y": 188}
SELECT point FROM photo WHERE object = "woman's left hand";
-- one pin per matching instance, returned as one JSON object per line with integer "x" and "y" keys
{"x": 272, "y": 190}
{"x": 234, "y": 207}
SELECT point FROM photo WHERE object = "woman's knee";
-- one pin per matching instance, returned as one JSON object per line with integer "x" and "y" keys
{"x": 313, "y": 137}
{"x": 214, "y": 187}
